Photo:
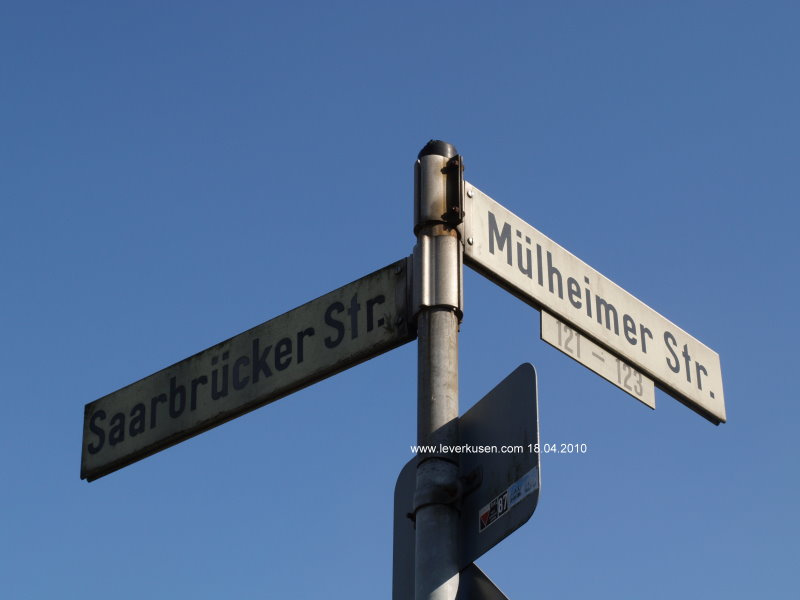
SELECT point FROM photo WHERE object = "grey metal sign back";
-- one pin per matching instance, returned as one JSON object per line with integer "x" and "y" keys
{"x": 499, "y": 471}
{"x": 473, "y": 584}
{"x": 316, "y": 340}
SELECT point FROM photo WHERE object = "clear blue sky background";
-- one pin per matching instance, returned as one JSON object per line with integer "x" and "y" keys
{"x": 173, "y": 173}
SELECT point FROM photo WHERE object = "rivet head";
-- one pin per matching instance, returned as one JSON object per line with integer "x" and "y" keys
{"x": 470, "y": 241}
{"x": 470, "y": 192}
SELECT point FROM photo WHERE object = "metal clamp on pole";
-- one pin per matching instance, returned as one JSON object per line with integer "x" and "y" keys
{"x": 452, "y": 493}
{"x": 438, "y": 215}
{"x": 437, "y": 309}
{"x": 437, "y": 283}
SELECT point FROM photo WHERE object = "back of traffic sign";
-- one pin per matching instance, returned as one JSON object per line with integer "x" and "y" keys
{"x": 473, "y": 584}
{"x": 499, "y": 471}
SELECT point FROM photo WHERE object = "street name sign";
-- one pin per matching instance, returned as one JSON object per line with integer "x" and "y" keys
{"x": 499, "y": 466}
{"x": 590, "y": 355}
{"x": 316, "y": 340}
{"x": 522, "y": 260}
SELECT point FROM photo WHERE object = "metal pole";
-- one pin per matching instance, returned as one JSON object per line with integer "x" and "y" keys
{"x": 437, "y": 300}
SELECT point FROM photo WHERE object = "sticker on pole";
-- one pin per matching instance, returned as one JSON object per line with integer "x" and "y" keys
{"x": 499, "y": 506}
{"x": 493, "y": 511}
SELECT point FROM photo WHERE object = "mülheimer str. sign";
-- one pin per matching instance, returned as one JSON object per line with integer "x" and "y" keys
{"x": 522, "y": 260}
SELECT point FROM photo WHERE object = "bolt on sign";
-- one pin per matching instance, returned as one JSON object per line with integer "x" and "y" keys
{"x": 534, "y": 268}
{"x": 316, "y": 340}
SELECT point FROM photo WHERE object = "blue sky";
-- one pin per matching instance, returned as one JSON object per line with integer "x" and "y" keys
{"x": 174, "y": 173}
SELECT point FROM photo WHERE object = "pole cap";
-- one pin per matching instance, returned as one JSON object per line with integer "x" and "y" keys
{"x": 439, "y": 148}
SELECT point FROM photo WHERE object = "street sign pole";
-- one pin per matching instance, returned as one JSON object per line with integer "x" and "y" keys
{"x": 437, "y": 293}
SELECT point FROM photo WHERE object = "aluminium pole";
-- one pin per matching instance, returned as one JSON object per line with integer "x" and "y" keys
{"x": 438, "y": 259}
